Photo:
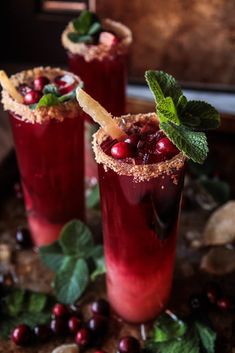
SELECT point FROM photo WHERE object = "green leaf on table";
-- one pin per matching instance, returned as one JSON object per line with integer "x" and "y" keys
{"x": 48, "y": 100}
{"x": 192, "y": 144}
{"x": 200, "y": 115}
{"x": 51, "y": 88}
{"x": 207, "y": 336}
{"x": 163, "y": 85}
{"x": 13, "y": 302}
{"x": 168, "y": 327}
{"x": 78, "y": 38}
{"x": 97, "y": 255}
{"x": 52, "y": 255}
{"x": 93, "y": 198}
{"x": 37, "y": 302}
{"x": 71, "y": 280}
{"x": 166, "y": 111}
{"x": 83, "y": 22}
{"x": 76, "y": 239}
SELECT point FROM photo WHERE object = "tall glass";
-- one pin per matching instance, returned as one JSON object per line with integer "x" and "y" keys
{"x": 49, "y": 150}
{"x": 103, "y": 69}
{"x": 140, "y": 212}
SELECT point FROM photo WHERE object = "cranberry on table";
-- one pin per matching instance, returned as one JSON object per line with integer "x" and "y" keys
{"x": 32, "y": 97}
{"x": 129, "y": 344}
{"x": 59, "y": 327}
{"x": 83, "y": 337}
{"x": 224, "y": 304}
{"x": 21, "y": 335}
{"x": 43, "y": 333}
{"x": 100, "y": 307}
{"x": 40, "y": 82}
{"x": 23, "y": 238}
{"x": 165, "y": 147}
{"x": 60, "y": 310}
{"x": 74, "y": 324}
{"x": 98, "y": 325}
{"x": 121, "y": 150}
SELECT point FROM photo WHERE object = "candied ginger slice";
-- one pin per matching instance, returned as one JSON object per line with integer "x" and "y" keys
{"x": 99, "y": 115}
{"x": 9, "y": 87}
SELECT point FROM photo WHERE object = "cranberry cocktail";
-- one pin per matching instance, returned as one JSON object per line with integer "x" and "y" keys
{"x": 49, "y": 147}
{"x": 141, "y": 180}
{"x": 101, "y": 62}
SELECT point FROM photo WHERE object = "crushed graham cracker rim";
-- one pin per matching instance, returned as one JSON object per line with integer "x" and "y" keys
{"x": 139, "y": 172}
{"x": 68, "y": 109}
{"x": 99, "y": 51}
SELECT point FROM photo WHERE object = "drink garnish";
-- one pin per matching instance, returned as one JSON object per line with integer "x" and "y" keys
{"x": 99, "y": 115}
{"x": 9, "y": 87}
{"x": 183, "y": 121}
{"x": 86, "y": 28}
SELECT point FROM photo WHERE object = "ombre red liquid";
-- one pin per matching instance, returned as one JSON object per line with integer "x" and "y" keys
{"x": 50, "y": 158}
{"x": 105, "y": 80}
{"x": 140, "y": 223}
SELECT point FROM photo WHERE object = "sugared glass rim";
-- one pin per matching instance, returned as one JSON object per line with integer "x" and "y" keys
{"x": 139, "y": 172}
{"x": 68, "y": 109}
{"x": 99, "y": 51}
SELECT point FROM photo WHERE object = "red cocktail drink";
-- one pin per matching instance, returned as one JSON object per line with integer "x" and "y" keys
{"x": 103, "y": 69}
{"x": 49, "y": 149}
{"x": 140, "y": 211}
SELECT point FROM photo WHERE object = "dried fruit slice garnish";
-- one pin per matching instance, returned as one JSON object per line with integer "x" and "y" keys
{"x": 9, "y": 87}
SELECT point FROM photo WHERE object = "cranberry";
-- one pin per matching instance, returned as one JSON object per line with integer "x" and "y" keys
{"x": 23, "y": 88}
{"x": 40, "y": 82}
{"x": 98, "y": 325}
{"x": 74, "y": 324}
{"x": 60, "y": 310}
{"x": 21, "y": 335}
{"x": 224, "y": 304}
{"x": 165, "y": 147}
{"x": 23, "y": 238}
{"x": 129, "y": 344}
{"x": 59, "y": 327}
{"x": 43, "y": 333}
{"x": 100, "y": 307}
{"x": 108, "y": 38}
{"x": 121, "y": 150}
{"x": 32, "y": 97}
{"x": 83, "y": 337}
{"x": 65, "y": 83}
{"x": 132, "y": 139}
{"x": 213, "y": 292}
{"x": 75, "y": 310}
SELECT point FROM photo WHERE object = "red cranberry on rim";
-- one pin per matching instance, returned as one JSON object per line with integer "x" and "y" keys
{"x": 74, "y": 324}
{"x": 40, "y": 82}
{"x": 129, "y": 344}
{"x": 43, "y": 333}
{"x": 60, "y": 310}
{"x": 121, "y": 150}
{"x": 83, "y": 337}
{"x": 32, "y": 97}
{"x": 21, "y": 335}
{"x": 165, "y": 147}
{"x": 108, "y": 38}
{"x": 100, "y": 307}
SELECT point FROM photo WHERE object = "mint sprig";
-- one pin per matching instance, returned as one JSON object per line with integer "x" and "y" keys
{"x": 182, "y": 121}
{"x": 75, "y": 259}
{"x": 86, "y": 28}
{"x": 170, "y": 334}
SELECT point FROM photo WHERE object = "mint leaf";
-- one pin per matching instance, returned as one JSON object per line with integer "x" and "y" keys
{"x": 68, "y": 96}
{"x": 51, "y": 88}
{"x": 13, "y": 303}
{"x": 192, "y": 144}
{"x": 204, "y": 115}
{"x": 71, "y": 280}
{"x": 52, "y": 255}
{"x": 93, "y": 198}
{"x": 97, "y": 254}
{"x": 166, "y": 111}
{"x": 37, "y": 302}
{"x": 207, "y": 336}
{"x": 168, "y": 327}
{"x": 163, "y": 85}
{"x": 76, "y": 239}
{"x": 83, "y": 22}
{"x": 77, "y": 38}
{"x": 48, "y": 100}
{"x": 94, "y": 29}
{"x": 181, "y": 104}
